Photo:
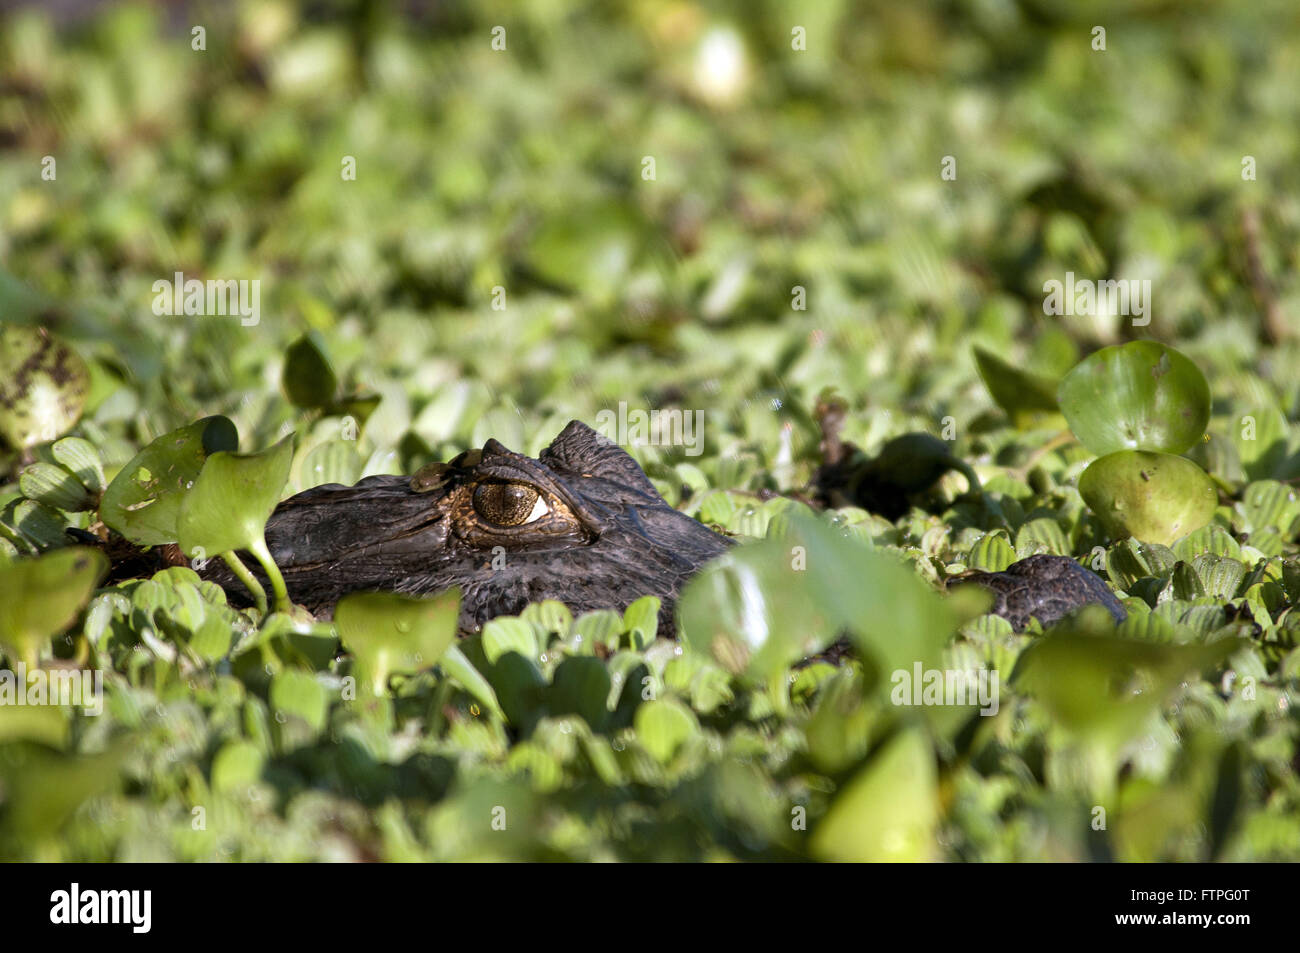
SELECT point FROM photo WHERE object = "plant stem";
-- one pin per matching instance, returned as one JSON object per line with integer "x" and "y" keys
{"x": 248, "y": 579}
{"x": 282, "y": 602}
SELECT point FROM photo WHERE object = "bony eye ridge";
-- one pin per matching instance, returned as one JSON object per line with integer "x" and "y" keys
{"x": 509, "y": 504}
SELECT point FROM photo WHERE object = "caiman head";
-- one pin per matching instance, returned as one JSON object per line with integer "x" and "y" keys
{"x": 581, "y": 523}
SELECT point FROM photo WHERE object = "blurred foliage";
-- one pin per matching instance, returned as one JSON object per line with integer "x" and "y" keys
{"x": 501, "y": 263}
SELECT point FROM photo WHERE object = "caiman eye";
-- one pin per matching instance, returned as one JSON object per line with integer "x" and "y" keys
{"x": 509, "y": 504}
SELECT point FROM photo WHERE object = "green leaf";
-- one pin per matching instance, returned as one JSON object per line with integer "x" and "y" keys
{"x": 509, "y": 634}
{"x": 641, "y": 621}
{"x": 39, "y": 598}
{"x": 54, "y": 486}
{"x": 389, "y": 632}
{"x": 237, "y": 765}
{"x": 662, "y": 726}
{"x": 231, "y": 500}
{"x": 1154, "y": 497}
{"x": 599, "y": 627}
{"x": 581, "y": 687}
{"x": 298, "y": 693}
{"x": 1106, "y": 688}
{"x": 1261, "y": 439}
{"x": 766, "y": 604}
{"x": 81, "y": 459}
{"x": 143, "y": 502}
{"x": 43, "y": 386}
{"x": 1027, "y": 398}
{"x": 309, "y": 380}
{"x": 992, "y": 552}
{"x": 888, "y": 812}
{"x": 457, "y": 666}
{"x": 43, "y": 789}
{"x": 1136, "y": 396}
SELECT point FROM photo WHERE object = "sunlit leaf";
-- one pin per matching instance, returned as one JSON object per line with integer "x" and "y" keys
{"x": 1137, "y": 396}
{"x": 389, "y": 632}
{"x": 143, "y": 502}
{"x": 1154, "y": 497}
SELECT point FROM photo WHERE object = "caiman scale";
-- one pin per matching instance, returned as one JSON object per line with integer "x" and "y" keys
{"x": 581, "y": 523}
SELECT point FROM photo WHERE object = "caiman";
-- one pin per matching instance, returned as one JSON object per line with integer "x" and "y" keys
{"x": 581, "y": 523}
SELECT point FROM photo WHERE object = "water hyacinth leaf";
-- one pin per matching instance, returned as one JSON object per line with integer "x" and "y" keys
{"x": 581, "y": 687}
{"x": 457, "y": 666}
{"x": 888, "y": 812}
{"x": 237, "y": 765}
{"x": 1105, "y": 688}
{"x": 389, "y": 632}
{"x": 1137, "y": 396}
{"x": 767, "y": 604}
{"x": 43, "y": 789}
{"x": 43, "y": 387}
{"x": 334, "y": 461}
{"x": 39, "y": 598}
{"x": 143, "y": 502}
{"x": 309, "y": 380}
{"x": 1029, "y": 399}
{"x": 231, "y": 500}
{"x": 1153, "y": 497}
{"x": 662, "y": 726}
{"x": 50, "y": 725}
{"x": 298, "y": 693}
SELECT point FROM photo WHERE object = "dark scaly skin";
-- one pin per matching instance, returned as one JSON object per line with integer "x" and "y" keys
{"x": 607, "y": 539}
{"x": 1044, "y": 587}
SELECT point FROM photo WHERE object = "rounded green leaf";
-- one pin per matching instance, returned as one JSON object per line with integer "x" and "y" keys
{"x": 1136, "y": 396}
{"x": 39, "y": 598}
{"x": 232, "y": 499}
{"x": 581, "y": 686}
{"x": 143, "y": 501}
{"x": 389, "y": 632}
{"x": 662, "y": 726}
{"x": 766, "y": 604}
{"x": 1154, "y": 497}
{"x": 43, "y": 387}
{"x": 298, "y": 693}
{"x": 889, "y": 811}
{"x": 237, "y": 765}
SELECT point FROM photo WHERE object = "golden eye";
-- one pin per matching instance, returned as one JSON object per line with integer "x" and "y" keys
{"x": 509, "y": 504}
